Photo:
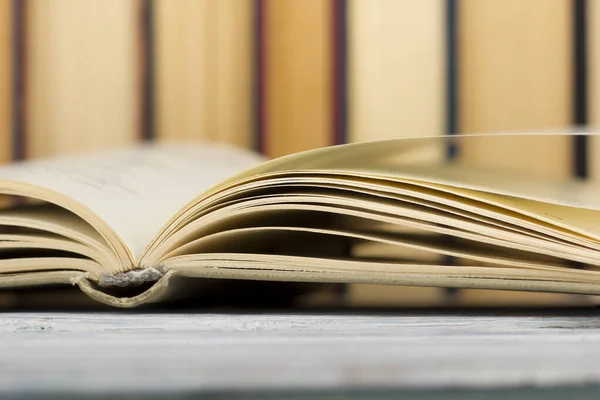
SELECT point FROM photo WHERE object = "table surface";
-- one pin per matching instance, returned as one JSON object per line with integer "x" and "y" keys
{"x": 208, "y": 352}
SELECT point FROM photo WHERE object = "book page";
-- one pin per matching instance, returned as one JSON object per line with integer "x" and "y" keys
{"x": 138, "y": 189}
{"x": 566, "y": 203}
{"x": 396, "y": 159}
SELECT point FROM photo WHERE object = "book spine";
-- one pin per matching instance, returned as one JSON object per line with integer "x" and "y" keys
{"x": 515, "y": 75}
{"x": 146, "y": 67}
{"x": 19, "y": 67}
{"x": 396, "y": 70}
{"x": 339, "y": 70}
{"x": 203, "y": 70}
{"x": 296, "y": 76}
{"x": 234, "y": 73}
{"x": 6, "y": 79}
{"x": 593, "y": 94}
{"x": 451, "y": 60}
{"x": 580, "y": 87}
{"x": 81, "y": 74}
{"x": 183, "y": 105}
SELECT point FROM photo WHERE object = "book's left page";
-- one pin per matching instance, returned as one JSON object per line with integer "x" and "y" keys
{"x": 131, "y": 192}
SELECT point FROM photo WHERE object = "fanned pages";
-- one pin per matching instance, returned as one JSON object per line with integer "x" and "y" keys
{"x": 158, "y": 222}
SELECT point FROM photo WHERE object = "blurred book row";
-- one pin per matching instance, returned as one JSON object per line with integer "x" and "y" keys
{"x": 282, "y": 76}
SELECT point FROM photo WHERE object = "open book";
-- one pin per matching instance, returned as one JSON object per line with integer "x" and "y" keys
{"x": 156, "y": 222}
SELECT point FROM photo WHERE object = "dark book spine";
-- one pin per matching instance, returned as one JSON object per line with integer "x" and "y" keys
{"x": 259, "y": 76}
{"x": 451, "y": 75}
{"x": 147, "y": 64}
{"x": 580, "y": 82}
{"x": 19, "y": 12}
{"x": 451, "y": 99}
{"x": 340, "y": 71}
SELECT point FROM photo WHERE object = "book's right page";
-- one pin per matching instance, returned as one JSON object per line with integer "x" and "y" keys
{"x": 373, "y": 178}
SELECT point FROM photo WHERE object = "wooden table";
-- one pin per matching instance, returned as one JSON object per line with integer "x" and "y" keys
{"x": 205, "y": 352}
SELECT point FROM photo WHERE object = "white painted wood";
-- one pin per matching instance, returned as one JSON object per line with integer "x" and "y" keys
{"x": 108, "y": 352}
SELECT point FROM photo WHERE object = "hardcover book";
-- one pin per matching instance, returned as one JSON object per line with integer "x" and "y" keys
{"x": 163, "y": 221}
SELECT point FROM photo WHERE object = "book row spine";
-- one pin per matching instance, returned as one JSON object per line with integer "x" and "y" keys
{"x": 283, "y": 77}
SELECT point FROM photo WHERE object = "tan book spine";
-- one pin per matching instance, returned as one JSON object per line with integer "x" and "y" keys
{"x": 81, "y": 75}
{"x": 515, "y": 75}
{"x": 203, "y": 74}
{"x": 396, "y": 69}
{"x": 6, "y": 56}
{"x": 297, "y": 91}
{"x": 593, "y": 68}
{"x": 234, "y": 72}
{"x": 184, "y": 105}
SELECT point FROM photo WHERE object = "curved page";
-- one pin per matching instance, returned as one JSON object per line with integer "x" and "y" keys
{"x": 135, "y": 190}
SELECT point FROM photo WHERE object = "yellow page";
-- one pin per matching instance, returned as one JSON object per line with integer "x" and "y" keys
{"x": 568, "y": 203}
{"x": 396, "y": 159}
{"x": 135, "y": 190}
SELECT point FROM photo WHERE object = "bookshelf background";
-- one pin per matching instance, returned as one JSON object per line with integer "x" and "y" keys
{"x": 281, "y": 76}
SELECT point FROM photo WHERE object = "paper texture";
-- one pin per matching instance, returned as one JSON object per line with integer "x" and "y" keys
{"x": 136, "y": 190}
